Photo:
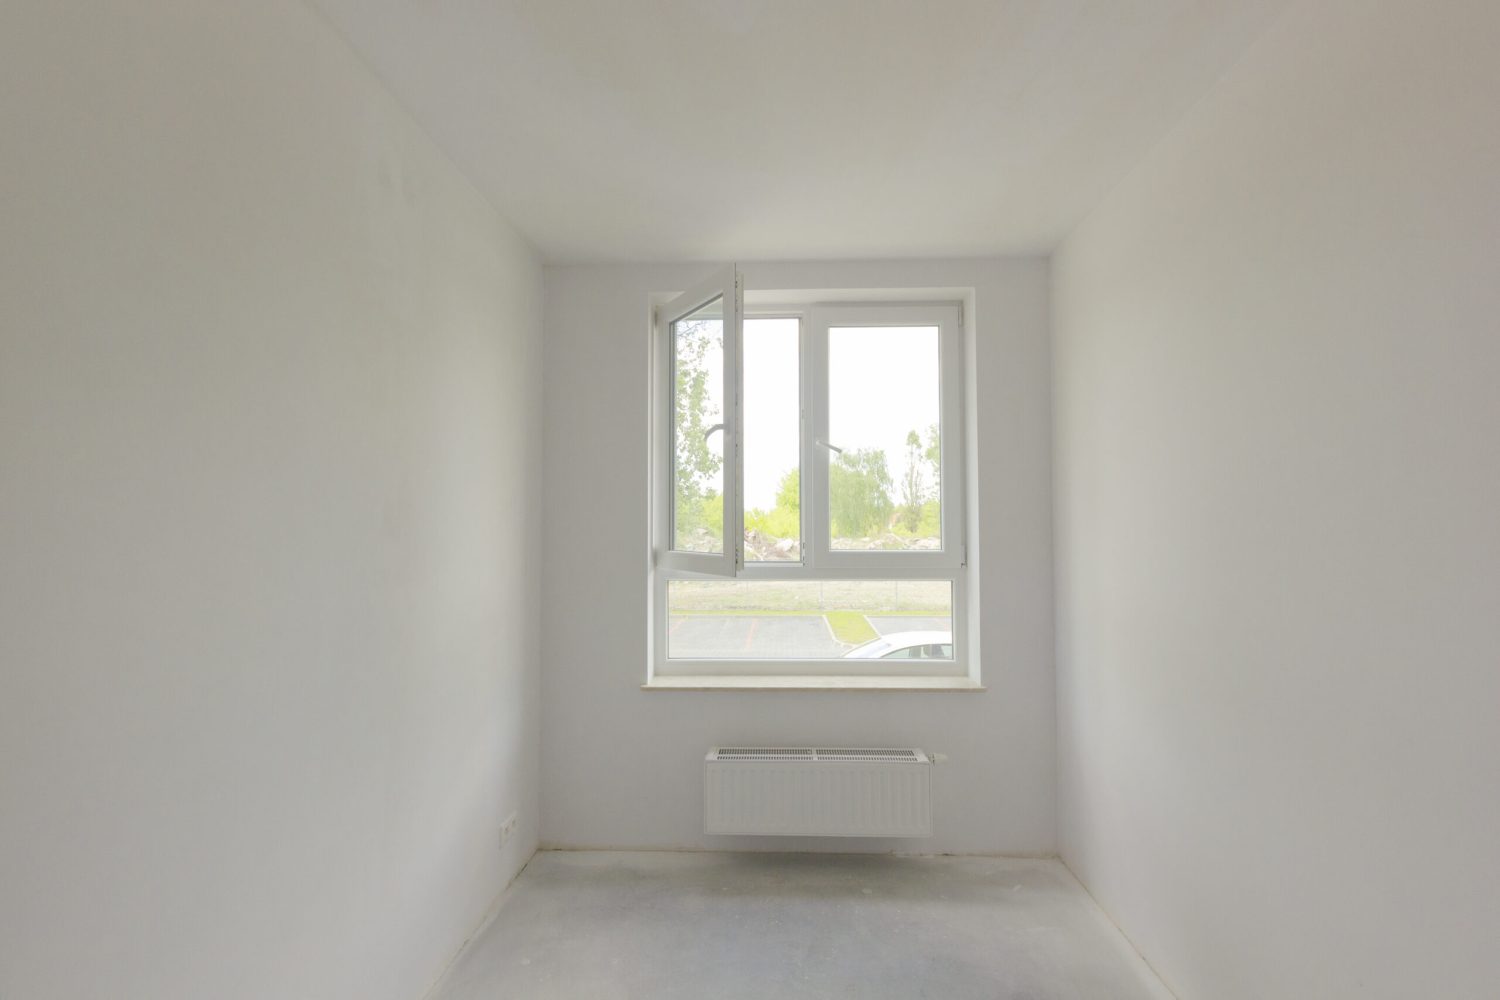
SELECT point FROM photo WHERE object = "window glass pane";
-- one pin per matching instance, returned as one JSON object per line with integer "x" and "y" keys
{"x": 884, "y": 411}
{"x": 809, "y": 620}
{"x": 770, "y": 371}
{"x": 698, "y": 430}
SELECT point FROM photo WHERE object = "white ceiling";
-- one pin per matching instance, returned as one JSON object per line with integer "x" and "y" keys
{"x": 780, "y": 129}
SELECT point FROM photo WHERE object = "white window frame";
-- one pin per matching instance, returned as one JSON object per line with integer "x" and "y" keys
{"x": 819, "y": 560}
{"x": 946, "y": 317}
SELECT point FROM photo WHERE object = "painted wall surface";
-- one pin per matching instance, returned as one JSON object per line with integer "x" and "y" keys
{"x": 269, "y": 485}
{"x": 1278, "y": 352}
{"x": 623, "y": 767}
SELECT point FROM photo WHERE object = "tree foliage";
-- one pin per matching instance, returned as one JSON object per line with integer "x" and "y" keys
{"x": 789, "y": 492}
{"x": 919, "y": 509}
{"x": 784, "y": 520}
{"x": 933, "y": 454}
{"x": 859, "y": 493}
{"x": 913, "y": 484}
{"x": 698, "y": 465}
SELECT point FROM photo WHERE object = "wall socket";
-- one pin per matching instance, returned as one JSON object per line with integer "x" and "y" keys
{"x": 507, "y": 829}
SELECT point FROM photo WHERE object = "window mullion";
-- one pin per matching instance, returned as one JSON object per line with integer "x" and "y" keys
{"x": 814, "y": 429}
{"x": 734, "y": 500}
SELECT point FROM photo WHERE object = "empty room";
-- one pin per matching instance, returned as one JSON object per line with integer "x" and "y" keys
{"x": 708, "y": 500}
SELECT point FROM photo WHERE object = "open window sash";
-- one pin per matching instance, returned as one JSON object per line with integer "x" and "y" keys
{"x": 698, "y": 516}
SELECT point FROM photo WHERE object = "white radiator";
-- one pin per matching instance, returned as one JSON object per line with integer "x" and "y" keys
{"x": 817, "y": 792}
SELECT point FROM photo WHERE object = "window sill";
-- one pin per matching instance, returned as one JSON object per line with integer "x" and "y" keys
{"x": 764, "y": 682}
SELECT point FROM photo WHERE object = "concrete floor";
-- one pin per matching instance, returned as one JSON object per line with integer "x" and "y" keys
{"x": 605, "y": 925}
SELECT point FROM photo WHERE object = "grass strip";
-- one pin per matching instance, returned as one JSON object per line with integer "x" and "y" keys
{"x": 851, "y": 627}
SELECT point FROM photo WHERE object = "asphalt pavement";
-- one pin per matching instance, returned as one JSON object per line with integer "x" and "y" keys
{"x": 775, "y": 636}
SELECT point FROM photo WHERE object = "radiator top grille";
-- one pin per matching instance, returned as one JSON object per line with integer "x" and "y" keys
{"x": 891, "y": 755}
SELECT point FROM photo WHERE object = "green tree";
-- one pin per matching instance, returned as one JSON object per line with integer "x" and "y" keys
{"x": 859, "y": 493}
{"x": 934, "y": 454}
{"x": 929, "y": 525}
{"x": 697, "y": 466}
{"x": 789, "y": 493}
{"x": 784, "y": 520}
{"x": 913, "y": 487}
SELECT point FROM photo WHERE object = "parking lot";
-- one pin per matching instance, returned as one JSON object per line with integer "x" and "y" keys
{"x": 776, "y": 636}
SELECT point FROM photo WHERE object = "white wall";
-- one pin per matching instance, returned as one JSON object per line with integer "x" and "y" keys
{"x": 268, "y": 476}
{"x": 623, "y": 767}
{"x": 1278, "y": 352}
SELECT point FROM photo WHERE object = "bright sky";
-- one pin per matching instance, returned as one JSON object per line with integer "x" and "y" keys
{"x": 883, "y": 382}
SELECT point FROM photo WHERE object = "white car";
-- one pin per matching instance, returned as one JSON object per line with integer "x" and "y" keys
{"x": 906, "y": 646}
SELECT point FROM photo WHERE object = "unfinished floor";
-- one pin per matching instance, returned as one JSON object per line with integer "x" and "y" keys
{"x": 661, "y": 925}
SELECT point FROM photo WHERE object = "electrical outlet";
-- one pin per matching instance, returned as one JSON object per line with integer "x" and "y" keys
{"x": 507, "y": 829}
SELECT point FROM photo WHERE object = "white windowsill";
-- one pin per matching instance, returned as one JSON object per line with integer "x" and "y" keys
{"x": 765, "y": 682}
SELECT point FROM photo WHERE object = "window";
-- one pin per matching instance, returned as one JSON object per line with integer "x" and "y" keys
{"x": 807, "y": 487}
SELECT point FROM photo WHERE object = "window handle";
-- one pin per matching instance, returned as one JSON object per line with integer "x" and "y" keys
{"x": 831, "y": 447}
{"x": 715, "y": 427}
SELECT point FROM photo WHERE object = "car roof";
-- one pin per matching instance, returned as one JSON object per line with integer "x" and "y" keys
{"x": 892, "y": 641}
{"x": 900, "y": 640}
